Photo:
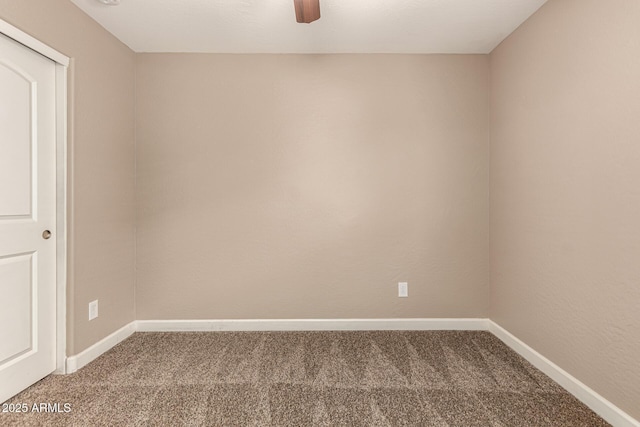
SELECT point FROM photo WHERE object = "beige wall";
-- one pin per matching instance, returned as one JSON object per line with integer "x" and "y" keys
{"x": 565, "y": 191}
{"x": 101, "y": 156}
{"x": 284, "y": 186}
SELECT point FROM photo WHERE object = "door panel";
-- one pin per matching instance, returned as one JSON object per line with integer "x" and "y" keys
{"x": 16, "y": 118}
{"x": 16, "y": 279}
{"x": 27, "y": 208}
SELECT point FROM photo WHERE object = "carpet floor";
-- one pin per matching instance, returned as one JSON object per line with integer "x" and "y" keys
{"x": 385, "y": 378}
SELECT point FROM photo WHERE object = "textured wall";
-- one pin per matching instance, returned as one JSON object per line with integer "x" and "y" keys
{"x": 284, "y": 186}
{"x": 565, "y": 191}
{"x": 101, "y": 163}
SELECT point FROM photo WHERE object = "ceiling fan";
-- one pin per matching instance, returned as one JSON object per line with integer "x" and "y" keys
{"x": 307, "y": 11}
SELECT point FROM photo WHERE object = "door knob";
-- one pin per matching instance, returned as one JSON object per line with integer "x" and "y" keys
{"x": 46, "y": 234}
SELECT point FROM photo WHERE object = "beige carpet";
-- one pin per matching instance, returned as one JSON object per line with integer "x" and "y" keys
{"x": 435, "y": 378}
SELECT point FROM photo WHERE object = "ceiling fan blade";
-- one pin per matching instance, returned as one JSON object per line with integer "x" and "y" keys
{"x": 307, "y": 10}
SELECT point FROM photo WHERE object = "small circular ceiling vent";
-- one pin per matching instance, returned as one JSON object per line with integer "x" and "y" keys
{"x": 110, "y": 2}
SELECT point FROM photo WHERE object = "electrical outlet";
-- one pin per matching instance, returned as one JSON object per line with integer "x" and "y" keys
{"x": 403, "y": 289}
{"x": 93, "y": 309}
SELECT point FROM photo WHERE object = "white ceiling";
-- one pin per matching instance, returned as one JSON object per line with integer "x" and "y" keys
{"x": 346, "y": 26}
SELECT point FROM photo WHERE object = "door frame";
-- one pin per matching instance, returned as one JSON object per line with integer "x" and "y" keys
{"x": 62, "y": 65}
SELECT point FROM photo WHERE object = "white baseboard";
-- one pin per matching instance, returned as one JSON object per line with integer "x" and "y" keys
{"x": 311, "y": 325}
{"x": 81, "y": 359}
{"x": 601, "y": 406}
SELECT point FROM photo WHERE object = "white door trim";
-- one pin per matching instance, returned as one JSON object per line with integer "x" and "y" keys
{"x": 33, "y": 44}
{"x": 61, "y": 217}
{"x": 62, "y": 64}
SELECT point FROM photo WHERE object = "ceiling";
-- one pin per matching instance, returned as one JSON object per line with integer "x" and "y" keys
{"x": 346, "y": 26}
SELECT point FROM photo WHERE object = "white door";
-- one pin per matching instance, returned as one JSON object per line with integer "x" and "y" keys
{"x": 27, "y": 216}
